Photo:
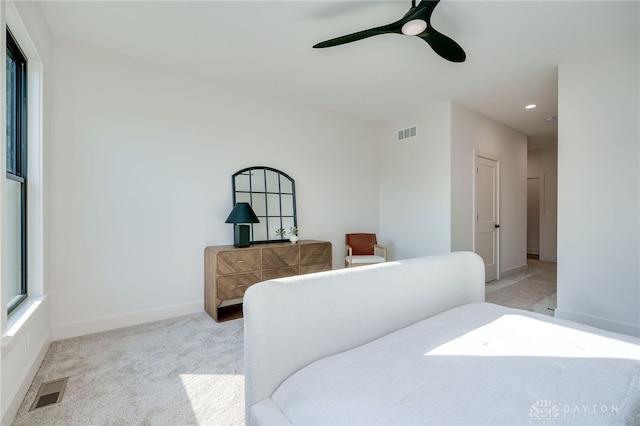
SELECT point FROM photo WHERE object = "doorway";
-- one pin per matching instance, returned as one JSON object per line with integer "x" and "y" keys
{"x": 487, "y": 213}
{"x": 535, "y": 206}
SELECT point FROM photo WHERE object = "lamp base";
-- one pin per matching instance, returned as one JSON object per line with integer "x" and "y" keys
{"x": 241, "y": 236}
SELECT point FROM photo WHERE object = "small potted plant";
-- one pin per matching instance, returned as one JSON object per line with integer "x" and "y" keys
{"x": 294, "y": 234}
{"x": 280, "y": 232}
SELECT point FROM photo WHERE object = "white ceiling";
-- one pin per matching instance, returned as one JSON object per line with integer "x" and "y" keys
{"x": 513, "y": 49}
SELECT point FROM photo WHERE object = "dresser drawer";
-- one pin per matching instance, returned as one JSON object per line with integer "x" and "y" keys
{"x": 272, "y": 274}
{"x": 315, "y": 253}
{"x": 232, "y": 261}
{"x": 316, "y": 267}
{"x": 280, "y": 257}
{"x": 234, "y": 286}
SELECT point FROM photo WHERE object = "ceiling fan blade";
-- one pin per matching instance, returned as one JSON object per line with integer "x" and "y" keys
{"x": 443, "y": 45}
{"x": 386, "y": 29}
{"x": 417, "y": 19}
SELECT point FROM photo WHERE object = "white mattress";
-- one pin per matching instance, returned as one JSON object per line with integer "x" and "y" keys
{"x": 476, "y": 364}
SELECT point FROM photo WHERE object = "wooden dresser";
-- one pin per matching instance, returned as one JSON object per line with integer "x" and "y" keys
{"x": 229, "y": 271}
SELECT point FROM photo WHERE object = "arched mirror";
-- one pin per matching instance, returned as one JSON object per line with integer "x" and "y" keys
{"x": 272, "y": 196}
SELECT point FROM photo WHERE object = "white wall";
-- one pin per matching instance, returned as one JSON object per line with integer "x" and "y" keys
{"x": 472, "y": 132}
{"x": 544, "y": 163}
{"x": 141, "y": 166}
{"x": 26, "y": 332}
{"x": 599, "y": 189}
{"x": 415, "y": 184}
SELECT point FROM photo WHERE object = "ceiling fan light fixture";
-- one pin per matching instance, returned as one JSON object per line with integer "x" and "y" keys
{"x": 414, "y": 27}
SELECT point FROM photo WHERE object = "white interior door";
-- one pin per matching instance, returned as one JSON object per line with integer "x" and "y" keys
{"x": 487, "y": 215}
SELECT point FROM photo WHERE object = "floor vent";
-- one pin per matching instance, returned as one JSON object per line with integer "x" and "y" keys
{"x": 49, "y": 393}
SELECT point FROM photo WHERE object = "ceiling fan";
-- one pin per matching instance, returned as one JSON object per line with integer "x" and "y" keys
{"x": 416, "y": 22}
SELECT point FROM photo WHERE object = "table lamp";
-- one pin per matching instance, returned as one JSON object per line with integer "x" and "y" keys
{"x": 241, "y": 214}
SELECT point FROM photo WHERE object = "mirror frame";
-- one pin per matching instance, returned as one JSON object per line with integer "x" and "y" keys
{"x": 266, "y": 201}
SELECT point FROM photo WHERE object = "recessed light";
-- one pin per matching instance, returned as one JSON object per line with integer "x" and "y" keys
{"x": 550, "y": 119}
{"x": 531, "y": 106}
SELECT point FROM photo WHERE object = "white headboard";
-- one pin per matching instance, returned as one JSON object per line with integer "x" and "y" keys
{"x": 291, "y": 322}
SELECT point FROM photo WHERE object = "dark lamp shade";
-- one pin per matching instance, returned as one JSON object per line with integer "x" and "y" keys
{"x": 242, "y": 213}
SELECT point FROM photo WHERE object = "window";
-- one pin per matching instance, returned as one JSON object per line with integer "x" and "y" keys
{"x": 16, "y": 174}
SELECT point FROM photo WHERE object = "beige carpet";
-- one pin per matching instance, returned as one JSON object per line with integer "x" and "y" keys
{"x": 532, "y": 290}
{"x": 188, "y": 370}
{"x": 182, "y": 371}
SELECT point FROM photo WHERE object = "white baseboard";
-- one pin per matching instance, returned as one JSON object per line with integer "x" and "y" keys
{"x": 512, "y": 271}
{"x": 80, "y": 328}
{"x": 605, "y": 324}
{"x": 25, "y": 383}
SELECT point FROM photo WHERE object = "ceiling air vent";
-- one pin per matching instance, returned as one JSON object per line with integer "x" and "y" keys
{"x": 407, "y": 133}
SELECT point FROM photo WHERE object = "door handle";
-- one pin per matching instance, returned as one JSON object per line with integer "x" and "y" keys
{"x": 497, "y": 226}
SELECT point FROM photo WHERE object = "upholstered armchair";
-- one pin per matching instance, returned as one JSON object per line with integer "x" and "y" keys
{"x": 363, "y": 249}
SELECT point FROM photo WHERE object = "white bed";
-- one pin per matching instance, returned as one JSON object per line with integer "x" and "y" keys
{"x": 467, "y": 362}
